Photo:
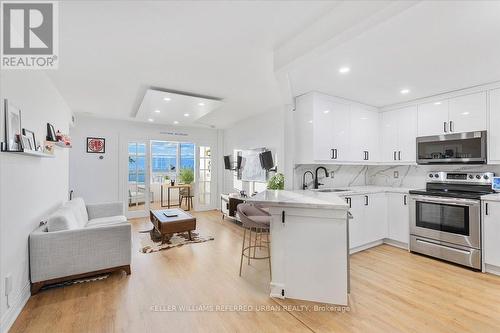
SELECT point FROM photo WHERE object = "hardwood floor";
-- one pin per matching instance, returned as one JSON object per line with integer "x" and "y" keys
{"x": 391, "y": 291}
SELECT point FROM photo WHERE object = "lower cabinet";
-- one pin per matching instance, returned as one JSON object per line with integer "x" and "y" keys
{"x": 491, "y": 227}
{"x": 398, "y": 217}
{"x": 369, "y": 222}
{"x": 378, "y": 216}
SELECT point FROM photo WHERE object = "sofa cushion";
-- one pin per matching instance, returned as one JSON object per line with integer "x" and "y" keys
{"x": 62, "y": 219}
{"x": 79, "y": 210}
{"x": 102, "y": 221}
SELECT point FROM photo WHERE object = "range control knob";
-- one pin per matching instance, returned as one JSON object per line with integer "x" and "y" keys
{"x": 478, "y": 176}
{"x": 486, "y": 177}
{"x": 431, "y": 175}
{"x": 471, "y": 176}
{"x": 436, "y": 175}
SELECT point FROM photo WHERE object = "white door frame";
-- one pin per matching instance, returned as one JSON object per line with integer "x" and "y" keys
{"x": 147, "y": 178}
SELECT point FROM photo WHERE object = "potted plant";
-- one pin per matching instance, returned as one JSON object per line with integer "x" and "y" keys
{"x": 277, "y": 182}
{"x": 166, "y": 178}
{"x": 186, "y": 175}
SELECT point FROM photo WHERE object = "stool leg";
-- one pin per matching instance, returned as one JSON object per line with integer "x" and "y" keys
{"x": 269, "y": 255}
{"x": 257, "y": 231}
{"x": 249, "y": 244}
{"x": 242, "y": 248}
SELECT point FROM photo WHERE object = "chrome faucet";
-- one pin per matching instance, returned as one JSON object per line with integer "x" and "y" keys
{"x": 316, "y": 182}
{"x": 304, "y": 185}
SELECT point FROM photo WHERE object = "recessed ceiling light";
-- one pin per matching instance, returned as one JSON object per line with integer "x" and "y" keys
{"x": 326, "y": 111}
{"x": 344, "y": 70}
{"x": 201, "y": 104}
{"x": 157, "y": 111}
{"x": 465, "y": 113}
{"x": 437, "y": 103}
{"x": 310, "y": 121}
{"x": 186, "y": 114}
{"x": 167, "y": 99}
{"x": 175, "y": 122}
{"x": 151, "y": 119}
{"x": 405, "y": 91}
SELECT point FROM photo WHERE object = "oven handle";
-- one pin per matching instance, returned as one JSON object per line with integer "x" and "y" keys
{"x": 448, "y": 201}
{"x": 443, "y": 246}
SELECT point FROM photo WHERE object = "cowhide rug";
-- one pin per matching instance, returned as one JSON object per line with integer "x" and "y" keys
{"x": 151, "y": 241}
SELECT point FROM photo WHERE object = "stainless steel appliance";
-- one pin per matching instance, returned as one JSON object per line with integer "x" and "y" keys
{"x": 457, "y": 148}
{"x": 445, "y": 218}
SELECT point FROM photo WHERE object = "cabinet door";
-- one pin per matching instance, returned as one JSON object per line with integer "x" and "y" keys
{"x": 364, "y": 138}
{"x": 433, "y": 118}
{"x": 389, "y": 136}
{"x": 491, "y": 225}
{"x": 303, "y": 129}
{"x": 407, "y": 134}
{"x": 398, "y": 216}
{"x": 356, "y": 224}
{"x": 375, "y": 217}
{"x": 331, "y": 128}
{"x": 494, "y": 129}
{"x": 468, "y": 113}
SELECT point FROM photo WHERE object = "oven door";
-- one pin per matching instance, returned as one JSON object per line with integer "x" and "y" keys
{"x": 451, "y": 220}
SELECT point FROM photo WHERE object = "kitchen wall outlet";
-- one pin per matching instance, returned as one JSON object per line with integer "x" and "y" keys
{"x": 396, "y": 174}
{"x": 332, "y": 175}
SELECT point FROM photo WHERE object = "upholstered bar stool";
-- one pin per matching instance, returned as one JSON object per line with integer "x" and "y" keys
{"x": 256, "y": 221}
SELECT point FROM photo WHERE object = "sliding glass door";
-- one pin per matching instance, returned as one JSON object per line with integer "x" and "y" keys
{"x": 138, "y": 194}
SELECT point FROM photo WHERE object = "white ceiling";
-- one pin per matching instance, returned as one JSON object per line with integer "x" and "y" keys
{"x": 175, "y": 109}
{"x": 111, "y": 52}
{"x": 430, "y": 48}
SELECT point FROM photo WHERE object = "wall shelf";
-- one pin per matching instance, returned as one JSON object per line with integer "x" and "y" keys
{"x": 31, "y": 153}
{"x": 58, "y": 144}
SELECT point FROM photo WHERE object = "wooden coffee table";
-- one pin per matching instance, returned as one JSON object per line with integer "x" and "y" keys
{"x": 168, "y": 225}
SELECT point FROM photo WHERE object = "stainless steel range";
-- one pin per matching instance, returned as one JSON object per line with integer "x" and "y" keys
{"x": 445, "y": 218}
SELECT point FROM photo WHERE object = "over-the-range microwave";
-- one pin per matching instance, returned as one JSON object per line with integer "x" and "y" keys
{"x": 456, "y": 148}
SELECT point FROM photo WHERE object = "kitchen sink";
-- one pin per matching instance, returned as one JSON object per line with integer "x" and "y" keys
{"x": 331, "y": 190}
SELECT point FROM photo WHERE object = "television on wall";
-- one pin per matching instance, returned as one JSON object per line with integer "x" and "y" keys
{"x": 266, "y": 160}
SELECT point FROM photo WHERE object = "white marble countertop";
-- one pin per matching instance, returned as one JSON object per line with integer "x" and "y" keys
{"x": 491, "y": 197}
{"x": 299, "y": 199}
{"x": 359, "y": 190}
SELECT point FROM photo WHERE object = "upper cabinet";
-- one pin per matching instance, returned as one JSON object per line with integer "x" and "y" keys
{"x": 494, "y": 128}
{"x": 456, "y": 115}
{"x": 364, "y": 135}
{"x": 330, "y": 129}
{"x": 398, "y": 132}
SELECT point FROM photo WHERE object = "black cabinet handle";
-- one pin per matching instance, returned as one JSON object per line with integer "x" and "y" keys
{"x": 486, "y": 212}
{"x": 445, "y": 128}
{"x": 399, "y": 155}
{"x": 394, "y": 155}
{"x": 348, "y": 201}
{"x": 366, "y": 200}
{"x": 451, "y": 126}
{"x": 367, "y": 155}
{"x": 333, "y": 154}
{"x": 405, "y": 202}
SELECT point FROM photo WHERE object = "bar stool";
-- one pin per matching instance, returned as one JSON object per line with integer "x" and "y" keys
{"x": 259, "y": 221}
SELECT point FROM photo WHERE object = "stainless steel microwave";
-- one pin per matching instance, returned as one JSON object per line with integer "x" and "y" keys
{"x": 457, "y": 148}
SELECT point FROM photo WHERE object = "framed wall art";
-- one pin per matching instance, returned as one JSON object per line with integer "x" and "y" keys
{"x": 96, "y": 145}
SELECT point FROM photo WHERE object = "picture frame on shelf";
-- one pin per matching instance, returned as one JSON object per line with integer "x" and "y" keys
{"x": 51, "y": 133}
{"x": 96, "y": 145}
{"x": 12, "y": 126}
{"x": 31, "y": 137}
{"x": 26, "y": 144}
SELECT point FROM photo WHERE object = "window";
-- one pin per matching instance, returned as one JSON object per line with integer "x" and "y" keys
{"x": 187, "y": 156}
{"x": 167, "y": 158}
{"x": 136, "y": 162}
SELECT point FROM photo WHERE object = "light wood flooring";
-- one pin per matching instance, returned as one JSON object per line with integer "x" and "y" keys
{"x": 391, "y": 291}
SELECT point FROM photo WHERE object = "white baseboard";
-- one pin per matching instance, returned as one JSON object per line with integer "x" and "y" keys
{"x": 17, "y": 305}
{"x": 366, "y": 246}
{"x": 396, "y": 243}
{"x": 492, "y": 269}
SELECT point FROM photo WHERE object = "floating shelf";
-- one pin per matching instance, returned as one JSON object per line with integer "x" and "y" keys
{"x": 58, "y": 144}
{"x": 31, "y": 153}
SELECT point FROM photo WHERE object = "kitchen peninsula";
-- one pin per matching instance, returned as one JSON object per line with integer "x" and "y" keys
{"x": 309, "y": 245}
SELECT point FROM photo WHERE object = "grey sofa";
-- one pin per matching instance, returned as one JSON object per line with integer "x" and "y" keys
{"x": 78, "y": 241}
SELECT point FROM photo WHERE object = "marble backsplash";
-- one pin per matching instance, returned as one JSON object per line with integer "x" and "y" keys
{"x": 409, "y": 176}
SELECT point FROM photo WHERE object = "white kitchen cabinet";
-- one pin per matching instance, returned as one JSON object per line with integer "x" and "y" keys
{"x": 465, "y": 113}
{"x": 331, "y": 129}
{"x": 494, "y": 128}
{"x": 468, "y": 113}
{"x": 491, "y": 227}
{"x": 303, "y": 129}
{"x": 369, "y": 222}
{"x": 398, "y": 133}
{"x": 433, "y": 118}
{"x": 364, "y": 135}
{"x": 398, "y": 217}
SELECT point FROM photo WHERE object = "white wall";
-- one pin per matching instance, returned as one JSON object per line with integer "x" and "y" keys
{"x": 31, "y": 187}
{"x": 99, "y": 180}
{"x": 263, "y": 130}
